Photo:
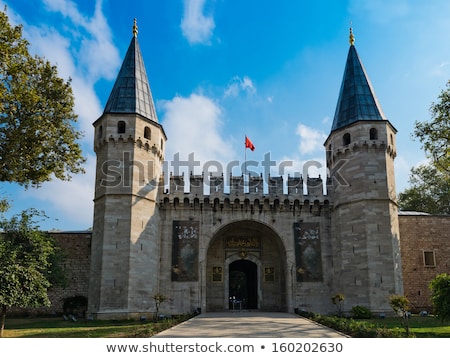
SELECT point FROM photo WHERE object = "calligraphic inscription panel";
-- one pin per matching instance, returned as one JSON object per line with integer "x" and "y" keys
{"x": 243, "y": 243}
{"x": 308, "y": 254}
{"x": 269, "y": 274}
{"x": 217, "y": 274}
{"x": 185, "y": 237}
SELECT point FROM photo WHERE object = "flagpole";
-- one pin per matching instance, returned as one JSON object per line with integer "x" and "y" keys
{"x": 245, "y": 163}
{"x": 245, "y": 156}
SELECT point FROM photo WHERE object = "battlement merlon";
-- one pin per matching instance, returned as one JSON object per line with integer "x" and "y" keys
{"x": 214, "y": 186}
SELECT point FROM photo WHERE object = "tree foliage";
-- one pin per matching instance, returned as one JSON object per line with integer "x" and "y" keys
{"x": 29, "y": 263}
{"x": 440, "y": 296}
{"x": 435, "y": 134}
{"x": 337, "y": 300}
{"x": 37, "y": 134}
{"x": 429, "y": 191}
{"x": 400, "y": 305}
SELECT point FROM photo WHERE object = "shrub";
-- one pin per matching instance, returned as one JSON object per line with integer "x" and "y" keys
{"x": 361, "y": 312}
{"x": 75, "y": 305}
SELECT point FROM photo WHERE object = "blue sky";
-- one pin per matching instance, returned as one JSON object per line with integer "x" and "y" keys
{"x": 223, "y": 69}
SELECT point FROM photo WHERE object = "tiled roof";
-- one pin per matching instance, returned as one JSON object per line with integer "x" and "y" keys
{"x": 357, "y": 100}
{"x": 131, "y": 92}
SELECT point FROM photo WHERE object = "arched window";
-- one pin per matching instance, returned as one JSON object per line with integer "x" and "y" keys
{"x": 147, "y": 133}
{"x": 346, "y": 139}
{"x": 121, "y": 126}
{"x": 100, "y": 132}
{"x": 162, "y": 143}
{"x": 373, "y": 134}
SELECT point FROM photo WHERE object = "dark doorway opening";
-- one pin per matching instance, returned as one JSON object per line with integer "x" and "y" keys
{"x": 243, "y": 285}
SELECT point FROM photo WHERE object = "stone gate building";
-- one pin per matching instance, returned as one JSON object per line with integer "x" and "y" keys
{"x": 240, "y": 246}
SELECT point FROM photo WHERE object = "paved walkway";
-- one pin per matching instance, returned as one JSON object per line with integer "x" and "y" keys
{"x": 240, "y": 324}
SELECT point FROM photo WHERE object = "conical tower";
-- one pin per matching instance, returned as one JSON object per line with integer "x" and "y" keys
{"x": 360, "y": 158}
{"x": 129, "y": 144}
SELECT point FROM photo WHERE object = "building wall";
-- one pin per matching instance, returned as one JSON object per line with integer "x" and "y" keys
{"x": 419, "y": 233}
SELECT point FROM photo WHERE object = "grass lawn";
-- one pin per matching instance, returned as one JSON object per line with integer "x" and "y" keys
{"x": 421, "y": 327}
{"x": 82, "y": 328}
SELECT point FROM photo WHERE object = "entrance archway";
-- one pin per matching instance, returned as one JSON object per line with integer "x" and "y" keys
{"x": 246, "y": 260}
{"x": 243, "y": 285}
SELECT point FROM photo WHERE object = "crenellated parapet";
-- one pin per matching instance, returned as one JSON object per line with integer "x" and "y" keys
{"x": 140, "y": 143}
{"x": 340, "y": 152}
{"x": 245, "y": 193}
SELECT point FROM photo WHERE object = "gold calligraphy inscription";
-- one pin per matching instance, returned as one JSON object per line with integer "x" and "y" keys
{"x": 243, "y": 242}
{"x": 217, "y": 275}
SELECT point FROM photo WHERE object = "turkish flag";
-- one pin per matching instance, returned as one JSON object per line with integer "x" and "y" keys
{"x": 249, "y": 144}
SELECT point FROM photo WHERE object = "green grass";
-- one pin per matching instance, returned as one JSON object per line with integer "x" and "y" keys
{"x": 420, "y": 327}
{"x": 39, "y": 327}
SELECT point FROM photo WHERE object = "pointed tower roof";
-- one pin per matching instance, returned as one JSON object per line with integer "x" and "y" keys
{"x": 357, "y": 100}
{"x": 131, "y": 92}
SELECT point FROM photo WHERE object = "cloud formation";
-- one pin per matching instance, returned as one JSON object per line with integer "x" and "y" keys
{"x": 311, "y": 140}
{"x": 194, "y": 125}
{"x": 196, "y": 27}
{"x": 238, "y": 85}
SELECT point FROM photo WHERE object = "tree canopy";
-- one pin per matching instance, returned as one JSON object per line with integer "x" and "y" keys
{"x": 30, "y": 262}
{"x": 38, "y": 138}
{"x": 430, "y": 183}
{"x": 435, "y": 133}
{"x": 429, "y": 191}
{"x": 440, "y": 296}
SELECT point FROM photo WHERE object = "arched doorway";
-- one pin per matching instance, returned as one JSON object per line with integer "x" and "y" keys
{"x": 246, "y": 260}
{"x": 243, "y": 285}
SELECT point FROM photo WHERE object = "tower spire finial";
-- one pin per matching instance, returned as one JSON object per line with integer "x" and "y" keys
{"x": 135, "y": 28}
{"x": 351, "y": 37}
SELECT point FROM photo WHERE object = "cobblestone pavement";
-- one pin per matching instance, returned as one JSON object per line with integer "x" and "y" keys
{"x": 240, "y": 324}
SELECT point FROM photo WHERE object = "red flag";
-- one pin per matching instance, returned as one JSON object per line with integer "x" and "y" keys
{"x": 249, "y": 144}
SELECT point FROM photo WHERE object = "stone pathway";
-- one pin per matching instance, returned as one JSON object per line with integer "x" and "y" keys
{"x": 242, "y": 324}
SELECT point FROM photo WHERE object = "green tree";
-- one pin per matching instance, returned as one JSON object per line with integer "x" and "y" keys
{"x": 440, "y": 296}
{"x": 429, "y": 191}
{"x": 29, "y": 263}
{"x": 435, "y": 134}
{"x": 400, "y": 304}
{"x": 158, "y": 298}
{"x": 337, "y": 300}
{"x": 37, "y": 134}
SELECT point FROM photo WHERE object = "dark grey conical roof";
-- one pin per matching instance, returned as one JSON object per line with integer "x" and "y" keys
{"x": 357, "y": 100}
{"x": 131, "y": 92}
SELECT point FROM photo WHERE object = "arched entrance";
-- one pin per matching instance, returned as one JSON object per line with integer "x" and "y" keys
{"x": 246, "y": 262}
{"x": 243, "y": 285}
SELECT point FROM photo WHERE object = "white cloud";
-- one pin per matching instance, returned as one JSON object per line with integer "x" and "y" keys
{"x": 196, "y": 27}
{"x": 71, "y": 199}
{"x": 194, "y": 125}
{"x": 238, "y": 85}
{"x": 311, "y": 139}
{"x": 442, "y": 69}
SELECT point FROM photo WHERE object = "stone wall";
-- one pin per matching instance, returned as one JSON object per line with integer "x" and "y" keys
{"x": 419, "y": 233}
{"x": 423, "y": 235}
{"x": 77, "y": 248}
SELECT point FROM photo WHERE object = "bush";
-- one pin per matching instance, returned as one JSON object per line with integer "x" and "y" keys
{"x": 75, "y": 305}
{"x": 306, "y": 314}
{"x": 356, "y": 329}
{"x": 361, "y": 312}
